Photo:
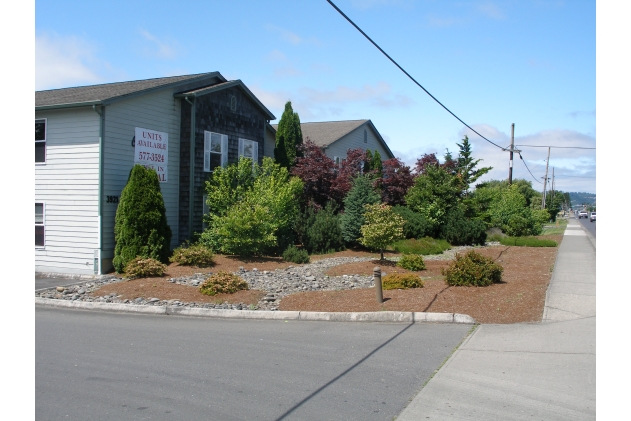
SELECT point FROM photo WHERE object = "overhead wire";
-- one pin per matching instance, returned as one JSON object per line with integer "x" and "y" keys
{"x": 522, "y": 160}
{"x": 408, "y": 75}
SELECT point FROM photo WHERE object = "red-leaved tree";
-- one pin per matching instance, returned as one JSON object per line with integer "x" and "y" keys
{"x": 348, "y": 169}
{"x": 396, "y": 179}
{"x": 425, "y": 159}
{"x": 316, "y": 170}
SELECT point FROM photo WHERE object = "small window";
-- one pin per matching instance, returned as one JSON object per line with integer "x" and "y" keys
{"x": 365, "y": 136}
{"x": 215, "y": 150}
{"x": 233, "y": 103}
{"x": 39, "y": 225}
{"x": 40, "y": 140}
{"x": 336, "y": 159}
{"x": 249, "y": 149}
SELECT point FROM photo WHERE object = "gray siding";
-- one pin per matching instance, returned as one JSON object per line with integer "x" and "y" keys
{"x": 355, "y": 140}
{"x": 68, "y": 186}
{"x": 155, "y": 111}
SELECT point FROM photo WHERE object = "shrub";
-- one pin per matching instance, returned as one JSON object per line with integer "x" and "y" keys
{"x": 383, "y": 227}
{"x": 526, "y": 242}
{"x": 472, "y": 269}
{"x": 193, "y": 255}
{"x": 401, "y": 281}
{"x": 141, "y": 227}
{"x": 222, "y": 283}
{"x": 144, "y": 267}
{"x": 411, "y": 262}
{"x": 416, "y": 225}
{"x": 459, "y": 230}
{"x": 323, "y": 232}
{"x": 494, "y": 234}
{"x": 292, "y": 254}
{"x": 424, "y": 246}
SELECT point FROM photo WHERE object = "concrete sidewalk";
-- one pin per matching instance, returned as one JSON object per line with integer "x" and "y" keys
{"x": 535, "y": 371}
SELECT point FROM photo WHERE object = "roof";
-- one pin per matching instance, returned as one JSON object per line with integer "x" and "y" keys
{"x": 99, "y": 94}
{"x": 326, "y": 132}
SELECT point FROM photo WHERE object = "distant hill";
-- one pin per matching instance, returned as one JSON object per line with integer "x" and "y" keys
{"x": 579, "y": 198}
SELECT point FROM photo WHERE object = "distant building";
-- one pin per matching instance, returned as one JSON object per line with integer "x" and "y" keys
{"x": 337, "y": 137}
{"x": 88, "y": 138}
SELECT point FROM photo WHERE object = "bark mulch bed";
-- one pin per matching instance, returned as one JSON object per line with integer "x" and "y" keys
{"x": 520, "y": 297}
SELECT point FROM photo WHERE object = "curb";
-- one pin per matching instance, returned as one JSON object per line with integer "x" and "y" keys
{"x": 379, "y": 316}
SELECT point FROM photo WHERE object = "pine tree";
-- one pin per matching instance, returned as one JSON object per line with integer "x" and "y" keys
{"x": 352, "y": 219}
{"x": 465, "y": 165}
{"x": 141, "y": 227}
{"x": 288, "y": 137}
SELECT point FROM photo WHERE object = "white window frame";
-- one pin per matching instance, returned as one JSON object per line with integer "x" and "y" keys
{"x": 337, "y": 160}
{"x": 207, "y": 149}
{"x": 45, "y": 120}
{"x": 42, "y": 224}
{"x": 255, "y": 150}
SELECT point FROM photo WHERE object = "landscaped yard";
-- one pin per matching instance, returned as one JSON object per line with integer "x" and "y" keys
{"x": 518, "y": 298}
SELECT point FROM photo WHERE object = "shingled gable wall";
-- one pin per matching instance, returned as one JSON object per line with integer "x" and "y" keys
{"x": 213, "y": 114}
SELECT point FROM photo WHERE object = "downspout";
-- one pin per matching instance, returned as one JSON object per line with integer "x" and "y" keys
{"x": 191, "y": 194}
{"x": 98, "y": 254}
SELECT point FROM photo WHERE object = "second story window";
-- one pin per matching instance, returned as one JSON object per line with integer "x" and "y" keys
{"x": 40, "y": 141}
{"x": 215, "y": 150}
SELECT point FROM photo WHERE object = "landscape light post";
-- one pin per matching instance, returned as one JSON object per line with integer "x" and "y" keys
{"x": 378, "y": 288}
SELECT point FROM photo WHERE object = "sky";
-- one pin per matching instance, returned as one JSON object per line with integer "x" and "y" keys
{"x": 492, "y": 63}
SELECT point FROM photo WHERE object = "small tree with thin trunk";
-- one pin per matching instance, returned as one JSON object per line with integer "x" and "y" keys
{"x": 383, "y": 227}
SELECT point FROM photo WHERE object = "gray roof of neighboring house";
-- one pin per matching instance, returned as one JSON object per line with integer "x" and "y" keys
{"x": 326, "y": 132}
{"x": 98, "y": 94}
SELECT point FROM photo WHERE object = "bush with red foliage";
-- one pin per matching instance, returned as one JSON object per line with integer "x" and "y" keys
{"x": 317, "y": 172}
{"x": 425, "y": 159}
{"x": 395, "y": 182}
{"x": 349, "y": 168}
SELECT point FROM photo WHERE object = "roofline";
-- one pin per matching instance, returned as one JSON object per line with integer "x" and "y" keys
{"x": 381, "y": 139}
{"x": 226, "y": 85}
{"x": 131, "y": 94}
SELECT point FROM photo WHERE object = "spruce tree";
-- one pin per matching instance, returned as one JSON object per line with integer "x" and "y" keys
{"x": 141, "y": 227}
{"x": 377, "y": 165}
{"x": 466, "y": 165}
{"x": 362, "y": 193}
{"x": 288, "y": 137}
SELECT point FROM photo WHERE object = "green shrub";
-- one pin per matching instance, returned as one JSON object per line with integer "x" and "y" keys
{"x": 323, "y": 233}
{"x": 472, "y": 269}
{"x": 193, "y": 255}
{"x": 351, "y": 221}
{"x": 222, "y": 283}
{"x": 144, "y": 267}
{"x": 424, "y": 246}
{"x": 494, "y": 235}
{"x": 460, "y": 230}
{"x": 292, "y": 254}
{"x": 401, "y": 281}
{"x": 526, "y": 242}
{"x": 140, "y": 227}
{"x": 416, "y": 225}
{"x": 411, "y": 262}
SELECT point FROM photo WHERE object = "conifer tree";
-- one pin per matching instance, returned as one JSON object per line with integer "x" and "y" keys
{"x": 288, "y": 137}
{"x": 466, "y": 165}
{"x": 141, "y": 227}
{"x": 368, "y": 162}
{"x": 360, "y": 194}
{"x": 377, "y": 165}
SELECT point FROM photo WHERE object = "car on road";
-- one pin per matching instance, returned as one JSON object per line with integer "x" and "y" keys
{"x": 592, "y": 217}
{"x": 582, "y": 214}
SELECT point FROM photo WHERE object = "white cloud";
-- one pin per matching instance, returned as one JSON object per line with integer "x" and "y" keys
{"x": 159, "y": 48}
{"x": 62, "y": 61}
{"x": 490, "y": 9}
{"x": 434, "y": 21}
{"x": 368, "y": 4}
{"x": 291, "y": 37}
{"x": 276, "y": 56}
{"x": 287, "y": 71}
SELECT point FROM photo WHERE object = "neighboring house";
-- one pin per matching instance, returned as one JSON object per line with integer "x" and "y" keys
{"x": 88, "y": 138}
{"x": 337, "y": 137}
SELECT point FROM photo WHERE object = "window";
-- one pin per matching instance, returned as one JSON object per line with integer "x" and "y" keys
{"x": 39, "y": 225}
{"x": 40, "y": 140}
{"x": 215, "y": 150}
{"x": 249, "y": 149}
{"x": 233, "y": 103}
{"x": 337, "y": 160}
{"x": 365, "y": 136}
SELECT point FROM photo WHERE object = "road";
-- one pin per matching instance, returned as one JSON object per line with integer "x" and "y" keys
{"x": 589, "y": 226}
{"x": 104, "y": 366}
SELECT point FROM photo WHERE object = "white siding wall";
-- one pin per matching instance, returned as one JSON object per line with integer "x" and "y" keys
{"x": 156, "y": 111}
{"x": 354, "y": 140}
{"x": 68, "y": 185}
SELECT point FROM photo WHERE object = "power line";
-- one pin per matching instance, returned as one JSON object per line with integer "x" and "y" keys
{"x": 535, "y": 178}
{"x": 408, "y": 75}
{"x": 558, "y": 147}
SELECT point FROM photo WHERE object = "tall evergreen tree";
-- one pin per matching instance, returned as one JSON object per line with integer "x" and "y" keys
{"x": 377, "y": 164}
{"x": 368, "y": 162}
{"x": 141, "y": 227}
{"x": 362, "y": 193}
{"x": 466, "y": 165}
{"x": 288, "y": 137}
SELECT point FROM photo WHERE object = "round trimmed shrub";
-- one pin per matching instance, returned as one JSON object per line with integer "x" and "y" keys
{"x": 144, "y": 267}
{"x": 413, "y": 262}
{"x": 193, "y": 255}
{"x": 472, "y": 269}
{"x": 292, "y": 254}
{"x": 401, "y": 281}
{"x": 223, "y": 283}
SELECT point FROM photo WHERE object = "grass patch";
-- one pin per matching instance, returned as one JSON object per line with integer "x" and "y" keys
{"x": 424, "y": 246}
{"x": 555, "y": 229}
{"x": 527, "y": 242}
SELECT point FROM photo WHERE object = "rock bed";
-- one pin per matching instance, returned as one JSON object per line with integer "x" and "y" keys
{"x": 277, "y": 283}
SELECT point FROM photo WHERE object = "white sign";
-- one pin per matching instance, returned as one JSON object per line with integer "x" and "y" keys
{"x": 152, "y": 151}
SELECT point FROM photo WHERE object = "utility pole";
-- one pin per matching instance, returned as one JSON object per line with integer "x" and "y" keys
{"x": 545, "y": 180}
{"x": 512, "y": 146}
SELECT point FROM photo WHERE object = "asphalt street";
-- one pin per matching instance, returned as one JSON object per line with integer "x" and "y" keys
{"x": 104, "y": 366}
{"x": 589, "y": 226}
{"x": 42, "y": 283}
